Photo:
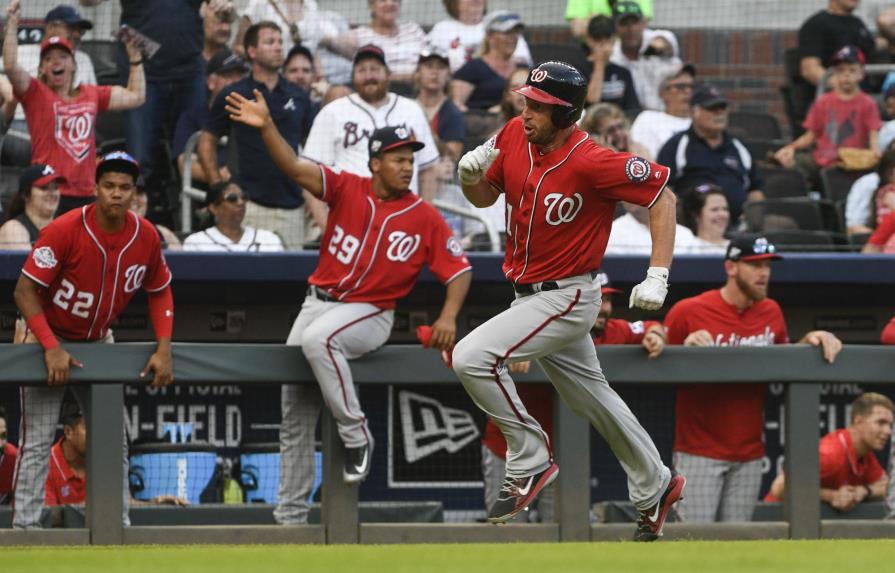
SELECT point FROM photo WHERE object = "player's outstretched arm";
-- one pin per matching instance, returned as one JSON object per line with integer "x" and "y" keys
{"x": 58, "y": 361}
{"x": 19, "y": 78}
{"x": 255, "y": 114}
{"x": 444, "y": 330}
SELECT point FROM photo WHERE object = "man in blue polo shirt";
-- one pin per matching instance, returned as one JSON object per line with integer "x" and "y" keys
{"x": 707, "y": 153}
{"x": 275, "y": 201}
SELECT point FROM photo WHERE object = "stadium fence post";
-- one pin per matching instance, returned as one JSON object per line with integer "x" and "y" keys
{"x": 572, "y": 451}
{"x": 105, "y": 435}
{"x": 801, "y": 504}
{"x": 338, "y": 500}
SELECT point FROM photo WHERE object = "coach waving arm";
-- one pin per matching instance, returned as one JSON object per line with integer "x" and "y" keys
{"x": 255, "y": 114}
{"x": 650, "y": 294}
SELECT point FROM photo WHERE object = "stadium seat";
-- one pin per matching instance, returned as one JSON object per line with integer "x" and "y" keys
{"x": 837, "y": 182}
{"x": 808, "y": 240}
{"x": 109, "y": 131}
{"x": 571, "y": 53}
{"x": 480, "y": 124}
{"x": 793, "y": 92}
{"x": 780, "y": 182}
{"x": 791, "y": 214}
{"x": 103, "y": 54}
{"x": 754, "y": 125}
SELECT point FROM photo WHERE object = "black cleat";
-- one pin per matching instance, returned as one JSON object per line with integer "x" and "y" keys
{"x": 357, "y": 464}
{"x": 649, "y": 526}
{"x": 517, "y": 493}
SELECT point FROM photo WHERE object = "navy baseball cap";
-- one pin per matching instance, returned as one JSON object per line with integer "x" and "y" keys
{"x": 368, "y": 51}
{"x": 224, "y": 61}
{"x": 605, "y": 286}
{"x": 37, "y": 176}
{"x": 751, "y": 248}
{"x": 847, "y": 55}
{"x": 707, "y": 96}
{"x": 118, "y": 162}
{"x": 391, "y": 137}
{"x": 69, "y": 15}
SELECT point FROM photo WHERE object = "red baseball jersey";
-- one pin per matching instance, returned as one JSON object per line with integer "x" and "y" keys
{"x": 89, "y": 276}
{"x": 560, "y": 205}
{"x": 373, "y": 250}
{"x": 538, "y": 398}
{"x": 723, "y": 422}
{"x": 63, "y": 486}
{"x": 63, "y": 132}
{"x": 888, "y": 336}
{"x": 7, "y": 468}
{"x": 839, "y": 463}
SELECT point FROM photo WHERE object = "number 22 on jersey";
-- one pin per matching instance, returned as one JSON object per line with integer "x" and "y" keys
{"x": 63, "y": 298}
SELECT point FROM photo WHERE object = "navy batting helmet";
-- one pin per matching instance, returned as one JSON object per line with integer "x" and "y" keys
{"x": 561, "y": 85}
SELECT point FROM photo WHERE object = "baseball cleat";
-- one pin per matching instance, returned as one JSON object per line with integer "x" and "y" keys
{"x": 517, "y": 493}
{"x": 357, "y": 464}
{"x": 649, "y": 526}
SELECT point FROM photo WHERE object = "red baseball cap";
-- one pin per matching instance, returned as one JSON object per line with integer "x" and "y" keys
{"x": 605, "y": 287}
{"x": 56, "y": 42}
{"x": 38, "y": 175}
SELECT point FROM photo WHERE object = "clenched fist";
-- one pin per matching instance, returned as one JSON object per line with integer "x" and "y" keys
{"x": 474, "y": 164}
{"x": 650, "y": 294}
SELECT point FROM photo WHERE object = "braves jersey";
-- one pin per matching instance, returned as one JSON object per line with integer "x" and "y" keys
{"x": 89, "y": 276}
{"x": 373, "y": 250}
{"x": 723, "y": 422}
{"x": 63, "y": 486}
{"x": 63, "y": 132}
{"x": 560, "y": 205}
{"x": 342, "y": 130}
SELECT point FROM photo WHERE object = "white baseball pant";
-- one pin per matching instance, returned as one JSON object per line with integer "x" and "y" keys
{"x": 552, "y": 327}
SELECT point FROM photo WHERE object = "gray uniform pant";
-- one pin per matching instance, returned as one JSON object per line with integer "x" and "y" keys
{"x": 330, "y": 334}
{"x": 552, "y": 327}
{"x": 718, "y": 490}
{"x": 37, "y": 427}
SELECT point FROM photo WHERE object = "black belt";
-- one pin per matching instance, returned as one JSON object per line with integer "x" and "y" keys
{"x": 321, "y": 294}
{"x": 528, "y": 289}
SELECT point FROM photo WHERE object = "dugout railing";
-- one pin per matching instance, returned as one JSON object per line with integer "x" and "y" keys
{"x": 800, "y": 368}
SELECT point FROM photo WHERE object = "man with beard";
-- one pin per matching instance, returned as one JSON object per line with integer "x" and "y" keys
{"x": 275, "y": 201}
{"x": 718, "y": 442}
{"x": 343, "y": 127}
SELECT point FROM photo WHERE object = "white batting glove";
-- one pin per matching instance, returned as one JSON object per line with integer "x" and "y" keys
{"x": 650, "y": 294}
{"x": 473, "y": 165}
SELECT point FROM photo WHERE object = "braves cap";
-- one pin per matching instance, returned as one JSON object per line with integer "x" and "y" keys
{"x": 391, "y": 137}
{"x": 56, "y": 42}
{"x": 503, "y": 21}
{"x": 707, "y": 96}
{"x": 118, "y": 162}
{"x": 750, "y": 248}
{"x": 369, "y": 51}
{"x": 225, "y": 61}
{"x": 38, "y": 175}
{"x": 605, "y": 286}
{"x": 69, "y": 15}
{"x": 847, "y": 55}
{"x": 433, "y": 53}
{"x": 627, "y": 9}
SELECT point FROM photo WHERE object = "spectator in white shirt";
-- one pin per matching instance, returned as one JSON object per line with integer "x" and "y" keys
{"x": 461, "y": 35}
{"x": 227, "y": 203}
{"x": 859, "y": 203}
{"x": 707, "y": 214}
{"x": 630, "y": 235}
{"x": 651, "y": 128}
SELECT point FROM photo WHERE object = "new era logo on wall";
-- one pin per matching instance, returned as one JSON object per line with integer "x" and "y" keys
{"x": 429, "y": 426}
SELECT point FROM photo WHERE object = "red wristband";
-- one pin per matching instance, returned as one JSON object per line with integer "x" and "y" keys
{"x": 42, "y": 331}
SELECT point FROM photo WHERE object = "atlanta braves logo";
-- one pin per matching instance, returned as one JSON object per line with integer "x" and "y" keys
{"x": 74, "y": 128}
{"x": 133, "y": 277}
{"x": 637, "y": 169}
{"x": 538, "y": 75}
{"x": 402, "y": 246}
{"x": 561, "y": 209}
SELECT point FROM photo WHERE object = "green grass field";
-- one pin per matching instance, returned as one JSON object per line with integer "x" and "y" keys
{"x": 839, "y": 556}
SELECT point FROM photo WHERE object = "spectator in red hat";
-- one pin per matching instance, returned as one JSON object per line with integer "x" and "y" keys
{"x": 718, "y": 442}
{"x": 844, "y": 117}
{"x": 52, "y": 99}
{"x": 32, "y": 208}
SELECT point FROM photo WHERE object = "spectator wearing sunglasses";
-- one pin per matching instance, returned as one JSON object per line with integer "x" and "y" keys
{"x": 8, "y": 455}
{"x": 227, "y": 203}
{"x": 653, "y": 128}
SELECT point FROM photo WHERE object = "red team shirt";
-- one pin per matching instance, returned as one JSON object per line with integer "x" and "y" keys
{"x": 63, "y": 132}
{"x": 7, "y": 467}
{"x": 63, "y": 487}
{"x": 538, "y": 398}
{"x": 89, "y": 276}
{"x": 375, "y": 249}
{"x": 560, "y": 205}
{"x": 723, "y": 422}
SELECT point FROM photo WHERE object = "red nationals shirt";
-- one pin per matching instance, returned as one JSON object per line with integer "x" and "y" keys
{"x": 888, "y": 336}
{"x": 723, "y": 422}
{"x": 839, "y": 463}
{"x": 841, "y": 123}
{"x": 89, "y": 276}
{"x": 560, "y": 205}
{"x": 373, "y": 250}
{"x": 7, "y": 466}
{"x": 63, "y": 486}
{"x": 63, "y": 132}
{"x": 620, "y": 331}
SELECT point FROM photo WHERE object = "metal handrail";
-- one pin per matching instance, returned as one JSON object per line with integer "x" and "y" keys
{"x": 869, "y": 69}
{"x": 188, "y": 193}
{"x": 493, "y": 235}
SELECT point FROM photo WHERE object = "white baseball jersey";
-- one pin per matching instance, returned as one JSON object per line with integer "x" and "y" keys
{"x": 342, "y": 129}
{"x": 462, "y": 42}
{"x": 252, "y": 241}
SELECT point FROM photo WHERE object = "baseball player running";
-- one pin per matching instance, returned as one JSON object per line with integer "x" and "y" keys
{"x": 81, "y": 274}
{"x": 378, "y": 237}
{"x": 561, "y": 191}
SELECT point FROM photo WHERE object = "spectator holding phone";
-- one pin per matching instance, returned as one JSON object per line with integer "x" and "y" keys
{"x": 52, "y": 99}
